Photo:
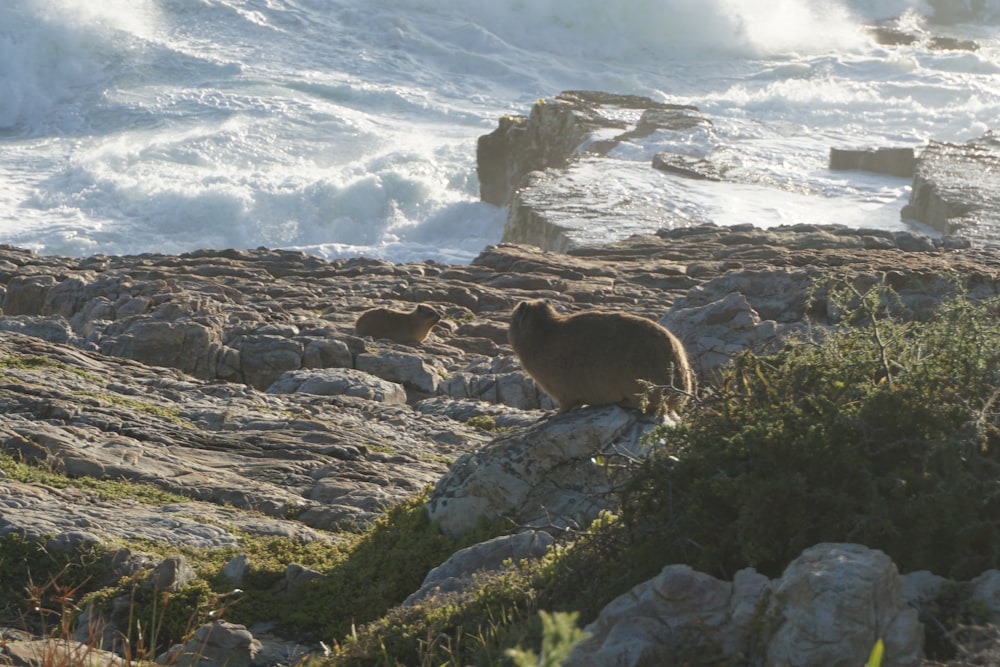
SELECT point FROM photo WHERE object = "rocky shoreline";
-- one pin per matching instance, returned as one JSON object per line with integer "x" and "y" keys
{"x": 233, "y": 379}
{"x": 553, "y": 168}
{"x": 232, "y": 383}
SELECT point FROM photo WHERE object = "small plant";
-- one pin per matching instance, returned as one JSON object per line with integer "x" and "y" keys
{"x": 39, "y": 362}
{"x": 560, "y": 635}
{"x": 51, "y": 581}
{"x": 105, "y": 488}
{"x": 875, "y": 657}
{"x": 483, "y": 422}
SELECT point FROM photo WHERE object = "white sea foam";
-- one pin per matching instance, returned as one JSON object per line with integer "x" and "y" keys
{"x": 348, "y": 127}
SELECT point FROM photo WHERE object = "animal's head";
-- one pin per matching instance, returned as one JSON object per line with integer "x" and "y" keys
{"x": 428, "y": 314}
{"x": 527, "y": 312}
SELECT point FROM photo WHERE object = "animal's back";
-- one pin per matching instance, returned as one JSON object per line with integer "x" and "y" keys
{"x": 600, "y": 358}
{"x": 411, "y": 327}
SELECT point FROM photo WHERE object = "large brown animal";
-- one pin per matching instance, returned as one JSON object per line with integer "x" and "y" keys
{"x": 404, "y": 326}
{"x": 600, "y": 358}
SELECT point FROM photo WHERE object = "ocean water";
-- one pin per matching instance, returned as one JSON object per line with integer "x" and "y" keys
{"x": 348, "y": 127}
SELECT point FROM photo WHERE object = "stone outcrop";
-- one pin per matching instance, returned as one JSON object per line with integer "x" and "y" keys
{"x": 217, "y": 643}
{"x": 893, "y": 161}
{"x": 827, "y": 610}
{"x": 956, "y": 186}
{"x": 556, "y": 474}
{"x": 552, "y": 169}
{"x": 339, "y": 414}
{"x": 457, "y": 574}
{"x": 566, "y": 125}
{"x": 680, "y": 617}
{"x": 566, "y": 187}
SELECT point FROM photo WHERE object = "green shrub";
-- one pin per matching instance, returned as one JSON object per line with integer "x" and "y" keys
{"x": 475, "y": 628}
{"x": 362, "y": 578}
{"x": 40, "y": 586}
{"x": 149, "y": 621}
{"x": 883, "y": 433}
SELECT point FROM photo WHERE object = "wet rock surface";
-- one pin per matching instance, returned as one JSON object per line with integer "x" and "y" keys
{"x": 956, "y": 186}
{"x": 565, "y": 186}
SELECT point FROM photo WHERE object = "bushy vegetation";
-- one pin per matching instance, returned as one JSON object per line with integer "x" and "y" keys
{"x": 40, "y": 586}
{"x": 883, "y": 432}
{"x": 376, "y": 570}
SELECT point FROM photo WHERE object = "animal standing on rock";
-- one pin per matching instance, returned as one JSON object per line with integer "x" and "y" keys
{"x": 400, "y": 325}
{"x": 601, "y": 358}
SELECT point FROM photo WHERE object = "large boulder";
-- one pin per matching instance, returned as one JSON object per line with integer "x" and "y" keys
{"x": 458, "y": 572}
{"x": 834, "y": 602}
{"x": 216, "y": 643}
{"x": 828, "y": 609}
{"x": 410, "y": 370}
{"x": 680, "y": 617}
{"x": 550, "y": 168}
{"x": 553, "y": 474}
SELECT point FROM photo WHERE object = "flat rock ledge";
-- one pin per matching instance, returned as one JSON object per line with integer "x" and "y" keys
{"x": 565, "y": 185}
{"x": 233, "y": 380}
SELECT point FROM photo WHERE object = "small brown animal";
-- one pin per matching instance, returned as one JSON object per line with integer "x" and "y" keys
{"x": 600, "y": 358}
{"x": 404, "y": 326}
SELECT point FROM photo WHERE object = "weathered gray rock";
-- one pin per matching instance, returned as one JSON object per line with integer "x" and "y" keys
{"x": 339, "y": 382}
{"x": 487, "y": 416}
{"x": 546, "y": 476}
{"x": 171, "y": 575}
{"x": 458, "y": 572}
{"x": 216, "y": 643}
{"x": 570, "y": 207}
{"x": 551, "y": 168}
{"x": 828, "y": 608}
{"x": 236, "y": 568}
{"x": 515, "y": 389}
{"x": 264, "y": 357}
{"x": 53, "y": 328}
{"x": 955, "y": 188}
{"x": 187, "y": 346}
{"x": 227, "y": 447}
{"x": 46, "y": 652}
{"x": 320, "y": 353}
{"x": 833, "y": 603}
{"x": 410, "y": 370}
{"x": 296, "y": 578}
{"x": 715, "y": 333}
{"x": 689, "y": 166}
{"x": 921, "y": 587}
{"x": 680, "y": 617}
